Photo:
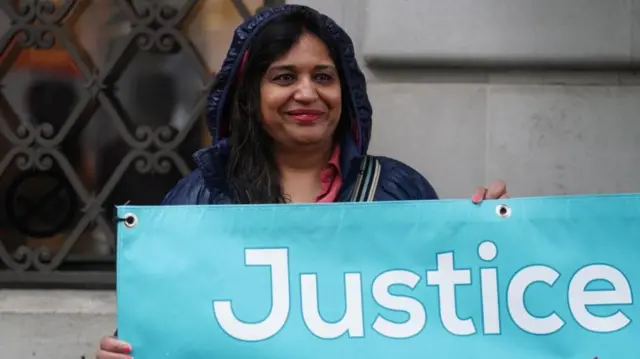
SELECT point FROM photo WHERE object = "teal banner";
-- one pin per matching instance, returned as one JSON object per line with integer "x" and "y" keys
{"x": 531, "y": 278}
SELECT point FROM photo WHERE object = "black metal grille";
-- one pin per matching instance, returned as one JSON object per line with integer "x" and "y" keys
{"x": 102, "y": 103}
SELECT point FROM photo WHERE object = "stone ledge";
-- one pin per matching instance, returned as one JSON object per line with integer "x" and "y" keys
{"x": 57, "y": 302}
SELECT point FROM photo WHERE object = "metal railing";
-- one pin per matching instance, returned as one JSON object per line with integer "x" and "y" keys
{"x": 95, "y": 115}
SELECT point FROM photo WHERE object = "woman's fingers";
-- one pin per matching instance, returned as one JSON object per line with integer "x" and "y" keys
{"x": 496, "y": 190}
{"x": 479, "y": 195}
{"x": 112, "y": 348}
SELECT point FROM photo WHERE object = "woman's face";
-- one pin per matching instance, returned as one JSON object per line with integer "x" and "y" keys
{"x": 300, "y": 95}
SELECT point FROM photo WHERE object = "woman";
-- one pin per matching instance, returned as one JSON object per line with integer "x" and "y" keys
{"x": 291, "y": 122}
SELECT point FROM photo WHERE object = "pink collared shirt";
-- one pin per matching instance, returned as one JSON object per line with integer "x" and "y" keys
{"x": 331, "y": 178}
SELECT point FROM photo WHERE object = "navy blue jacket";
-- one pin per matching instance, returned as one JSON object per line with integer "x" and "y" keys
{"x": 207, "y": 185}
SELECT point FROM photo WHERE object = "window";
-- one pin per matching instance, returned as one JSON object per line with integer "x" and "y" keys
{"x": 99, "y": 106}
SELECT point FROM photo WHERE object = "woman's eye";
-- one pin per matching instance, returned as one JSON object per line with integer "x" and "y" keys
{"x": 324, "y": 77}
{"x": 284, "y": 78}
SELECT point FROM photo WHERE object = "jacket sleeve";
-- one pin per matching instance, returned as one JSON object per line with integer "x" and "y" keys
{"x": 401, "y": 182}
{"x": 189, "y": 190}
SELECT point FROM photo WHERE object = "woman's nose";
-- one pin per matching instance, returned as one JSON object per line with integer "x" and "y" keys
{"x": 306, "y": 91}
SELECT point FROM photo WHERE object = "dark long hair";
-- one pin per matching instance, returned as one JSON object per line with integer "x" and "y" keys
{"x": 252, "y": 173}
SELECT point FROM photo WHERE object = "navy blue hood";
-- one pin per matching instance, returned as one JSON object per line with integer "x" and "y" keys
{"x": 354, "y": 80}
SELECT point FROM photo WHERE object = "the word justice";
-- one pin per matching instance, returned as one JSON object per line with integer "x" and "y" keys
{"x": 445, "y": 277}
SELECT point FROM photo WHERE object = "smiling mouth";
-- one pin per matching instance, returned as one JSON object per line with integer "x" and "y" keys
{"x": 305, "y": 116}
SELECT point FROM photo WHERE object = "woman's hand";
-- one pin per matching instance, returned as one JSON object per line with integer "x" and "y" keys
{"x": 112, "y": 348}
{"x": 497, "y": 190}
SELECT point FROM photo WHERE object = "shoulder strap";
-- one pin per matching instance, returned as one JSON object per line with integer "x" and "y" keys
{"x": 367, "y": 181}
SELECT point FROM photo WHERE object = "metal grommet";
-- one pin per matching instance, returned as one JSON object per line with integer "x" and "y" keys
{"x": 130, "y": 220}
{"x": 503, "y": 211}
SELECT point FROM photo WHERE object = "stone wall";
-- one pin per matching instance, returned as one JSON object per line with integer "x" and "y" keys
{"x": 540, "y": 93}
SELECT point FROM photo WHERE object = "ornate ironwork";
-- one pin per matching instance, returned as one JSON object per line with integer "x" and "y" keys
{"x": 44, "y": 191}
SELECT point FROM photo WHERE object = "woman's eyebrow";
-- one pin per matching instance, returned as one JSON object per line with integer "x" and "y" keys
{"x": 283, "y": 68}
{"x": 293, "y": 68}
{"x": 325, "y": 67}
